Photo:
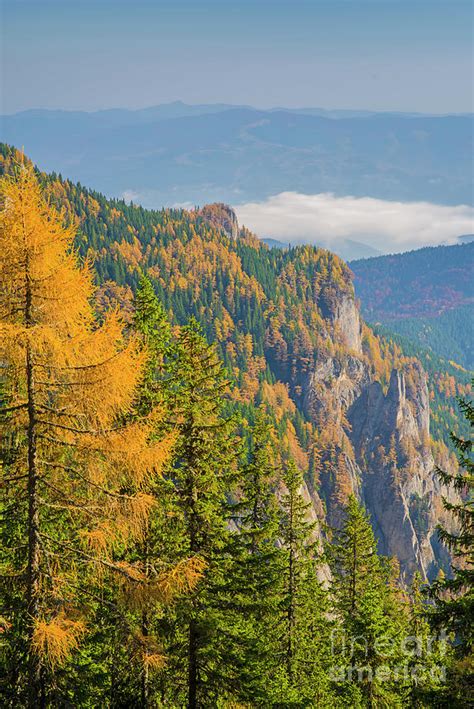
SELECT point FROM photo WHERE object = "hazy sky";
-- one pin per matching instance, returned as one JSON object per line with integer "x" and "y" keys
{"x": 378, "y": 54}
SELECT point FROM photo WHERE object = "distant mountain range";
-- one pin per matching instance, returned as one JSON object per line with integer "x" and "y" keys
{"x": 347, "y": 249}
{"x": 351, "y": 250}
{"x": 176, "y": 153}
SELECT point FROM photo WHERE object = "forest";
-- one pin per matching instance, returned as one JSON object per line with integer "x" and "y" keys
{"x": 425, "y": 295}
{"x": 156, "y": 548}
{"x": 254, "y": 303}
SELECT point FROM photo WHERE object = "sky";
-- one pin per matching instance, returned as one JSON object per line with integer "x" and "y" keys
{"x": 377, "y": 54}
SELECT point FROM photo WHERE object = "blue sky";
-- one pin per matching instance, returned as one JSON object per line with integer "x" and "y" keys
{"x": 379, "y": 55}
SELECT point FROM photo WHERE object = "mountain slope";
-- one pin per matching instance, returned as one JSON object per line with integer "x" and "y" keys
{"x": 350, "y": 407}
{"x": 426, "y": 295}
{"x": 175, "y": 154}
{"x": 449, "y": 335}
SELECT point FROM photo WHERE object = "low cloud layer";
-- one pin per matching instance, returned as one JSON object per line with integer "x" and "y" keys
{"x": 383, "y": 225}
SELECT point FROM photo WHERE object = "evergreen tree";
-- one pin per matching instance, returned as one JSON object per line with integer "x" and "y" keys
{"x": 371, "y": 617}
{"x": 151, "y": 322}
{"x": 427, "y": 654}
{"x": 454, "y": 594}
{"x": 203, "y": 468}
{"x": 167, "y": 573}
{"x": 253, "y": 586}
{"x": 152, "y": 325}
{"x": 304, "y": 633}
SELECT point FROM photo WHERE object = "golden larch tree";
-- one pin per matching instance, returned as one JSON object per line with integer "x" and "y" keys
{"x": 75, "y": 466}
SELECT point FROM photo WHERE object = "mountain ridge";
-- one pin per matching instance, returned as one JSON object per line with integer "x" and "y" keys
{"x": 171, "y": 107}
{"x": 287, "y": 325}
{"x": 241, "y": 154}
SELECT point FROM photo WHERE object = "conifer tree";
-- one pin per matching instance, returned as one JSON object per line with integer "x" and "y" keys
{"x": 151, "y": 323}
{"x": 427, "y": 653}
{"x": 253, "y": 586}
{"x": 168, "y": 573}
{"x": 73, "y": 472}
{"x": 304, "y": 633}
{"x": 454, "y": 594}
{"x": 152, "y": 326}
{"x": 366, "y": 606}
{"x": 202, "y": 470}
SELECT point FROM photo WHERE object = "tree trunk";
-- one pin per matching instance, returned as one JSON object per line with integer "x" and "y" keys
{"x": 35, "y": 690}
{"x": 145, "y": 628}
{"x": 291, "y": 594}
{"x": 192, "y": 666}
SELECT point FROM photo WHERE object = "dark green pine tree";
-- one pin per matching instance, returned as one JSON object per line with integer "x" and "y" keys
{"x": 151, "y": 322}
{"x": 371, "y": 617}
{"x": 426, "y": 653}
{"x": 253, "y": 586}
{"x": 203, "y": 468}
{"x": 454, "y": 595}
{"x": 304, "y": 633}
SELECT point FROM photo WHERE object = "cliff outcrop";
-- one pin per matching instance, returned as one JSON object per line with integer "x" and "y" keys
{"x": 375, "y": 443}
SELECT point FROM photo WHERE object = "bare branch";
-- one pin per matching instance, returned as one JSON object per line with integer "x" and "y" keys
{"x": 70, "y": 469}
{"x": 9, "y": 409}
{"x": 108, "y": 564}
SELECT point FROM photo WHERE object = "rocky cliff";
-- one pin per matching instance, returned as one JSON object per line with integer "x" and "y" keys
{"x": 373, "y": 425}
{"x": 375, "y": 442}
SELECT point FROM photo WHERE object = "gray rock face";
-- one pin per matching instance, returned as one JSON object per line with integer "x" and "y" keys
{"x": 340, "y": 380}
{"x": 379, "y": 444}
{"x": 339, "y": 308}
{"x": 348, "y": 321}
{"x": 390, "y": 435}
{"x": 221, "y": 215}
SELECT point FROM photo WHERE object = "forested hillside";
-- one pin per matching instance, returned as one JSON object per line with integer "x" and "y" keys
{"x": 425, "y": 295}
{"x": 194, "y": 524}
{"x": 257, "y": 304}
{"x": 449, "y": 335}
{"x": 232, "y": 286}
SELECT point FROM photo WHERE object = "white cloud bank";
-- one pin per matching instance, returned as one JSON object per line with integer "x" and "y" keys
{"x": 386, "y": 226}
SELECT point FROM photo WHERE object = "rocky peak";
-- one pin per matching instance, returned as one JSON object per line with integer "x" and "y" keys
{"x": 338, "y": 306}
{"x": 221, "y": 215}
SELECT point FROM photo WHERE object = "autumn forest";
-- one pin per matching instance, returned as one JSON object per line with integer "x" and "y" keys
{"x": 186, "y": 519}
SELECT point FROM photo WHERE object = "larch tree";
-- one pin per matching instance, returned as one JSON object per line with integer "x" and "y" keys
{"x": 74, "y": 472}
